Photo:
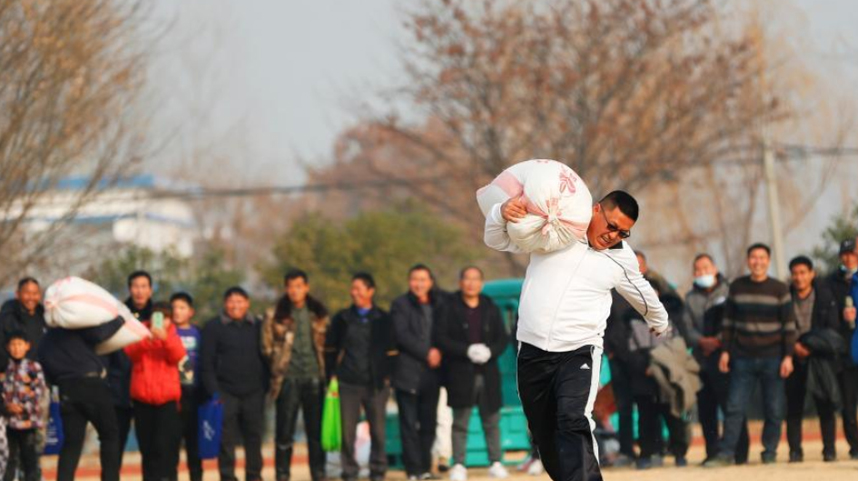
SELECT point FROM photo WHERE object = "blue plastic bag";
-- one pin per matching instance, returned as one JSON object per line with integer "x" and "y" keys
{"x": 210, "y": 427}
{"x": 54, "y": 433}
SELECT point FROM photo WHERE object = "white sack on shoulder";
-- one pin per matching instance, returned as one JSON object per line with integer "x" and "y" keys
{"x": 558, "y": 202}
{"x": 75, "y": 303}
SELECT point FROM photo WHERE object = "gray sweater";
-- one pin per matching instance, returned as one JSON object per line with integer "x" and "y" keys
{"x": 697, "y": 302}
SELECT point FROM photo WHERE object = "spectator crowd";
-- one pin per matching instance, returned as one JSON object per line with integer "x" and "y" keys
{"x": 791, "y": 339}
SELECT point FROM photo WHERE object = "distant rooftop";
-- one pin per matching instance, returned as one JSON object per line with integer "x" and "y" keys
{"x": 138, "y": 181}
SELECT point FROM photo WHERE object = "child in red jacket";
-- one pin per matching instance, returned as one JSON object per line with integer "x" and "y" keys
{"x": 156, "y": 393}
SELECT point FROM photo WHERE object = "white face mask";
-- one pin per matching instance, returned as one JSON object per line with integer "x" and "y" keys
{"x": 705, "y": 281}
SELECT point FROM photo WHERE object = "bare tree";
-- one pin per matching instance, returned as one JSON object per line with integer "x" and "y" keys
{"x": 629, "y": 93}
{"x": 69, "y": 74}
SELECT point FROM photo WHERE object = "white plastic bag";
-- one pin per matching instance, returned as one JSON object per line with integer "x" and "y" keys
{"x": 559, "y": 204}
{"x": 75, "y": 303}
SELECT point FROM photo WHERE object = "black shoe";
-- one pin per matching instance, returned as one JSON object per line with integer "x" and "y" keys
{"x": 681, "y": 462}
{"x": 643, "y": 463}
{"x": 829, "y": 457}
{"x": 623, "y": 461}
{"x": 769, "y": 459}
{"x": 718, "y": 462}
{"x": 796, "y": 457}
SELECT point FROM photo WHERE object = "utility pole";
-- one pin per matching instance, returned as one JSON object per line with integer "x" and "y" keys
{"x": 774, "y": 210}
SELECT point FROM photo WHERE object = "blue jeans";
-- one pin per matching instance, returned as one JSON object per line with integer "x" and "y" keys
{"x": 744, "y": 373}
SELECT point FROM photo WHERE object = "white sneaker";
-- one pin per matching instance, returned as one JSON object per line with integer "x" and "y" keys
{"x": 459, "y": 473}
{"x": 536, "y": 468}
{"x": 497, "y": 471}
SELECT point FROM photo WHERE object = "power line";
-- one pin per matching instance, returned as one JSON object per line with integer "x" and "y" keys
{"x": 346, "y": 186}
{"x": 791, "y": 151}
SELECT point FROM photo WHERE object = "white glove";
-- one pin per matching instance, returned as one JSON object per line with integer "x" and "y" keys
{"x": 473, "y": 355}
{"x": 483, "y": 354}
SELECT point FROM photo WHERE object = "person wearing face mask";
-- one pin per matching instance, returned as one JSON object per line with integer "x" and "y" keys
{"x": 840, "y": 282}
{"x": 701, "y": 320}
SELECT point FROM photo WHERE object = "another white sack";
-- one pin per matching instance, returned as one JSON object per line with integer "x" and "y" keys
{"x": 75, "y": 303}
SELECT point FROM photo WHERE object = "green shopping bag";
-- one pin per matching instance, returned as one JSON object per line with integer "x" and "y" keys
{"x": 332, "y": 423}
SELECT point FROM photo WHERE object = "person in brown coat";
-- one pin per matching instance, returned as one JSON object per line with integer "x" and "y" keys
{"x": 293, "y": 342}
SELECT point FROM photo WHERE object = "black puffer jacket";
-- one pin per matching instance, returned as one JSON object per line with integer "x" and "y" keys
{"x": 407, "y": 316}
{"x": 634, "y": 352}
{"x": 826, "y": 311}
{"x": 67, "y": 355}
{"x": 827, "y": 349}
{"x": 382, "y": 349}
{"x": 13, "y": 317}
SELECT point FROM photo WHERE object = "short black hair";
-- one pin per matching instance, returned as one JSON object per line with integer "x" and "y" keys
{"x": 366, "y": 278}
{"x": 18, "y": 334}
{"x": 293, "y": 274}
{"x": 237, "y": 291}
{"x": 703, "y": 255}
{"x": 421, "y": 267}
{"x": 622, "y": 200}
{"x": 138, "y": 274}
{"x": 467, "y": 268}
{"x": 759, "y": 245}
{"x": 163, "y": 307}
{"x": 27, "y": 280}
{"x": 801, "y": 261}
{"x": 182, "y": 296}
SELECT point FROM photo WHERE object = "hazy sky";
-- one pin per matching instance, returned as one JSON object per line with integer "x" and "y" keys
{"x": 268, "y": 80}
{"x": 271, "y": 78}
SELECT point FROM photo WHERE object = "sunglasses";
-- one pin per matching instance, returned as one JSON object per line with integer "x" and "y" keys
{"x": 624, "y": 234}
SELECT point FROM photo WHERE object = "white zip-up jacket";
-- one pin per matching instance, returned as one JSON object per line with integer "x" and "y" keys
{"x": 566, "y": 296}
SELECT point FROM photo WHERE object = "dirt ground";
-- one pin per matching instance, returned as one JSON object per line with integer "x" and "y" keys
{"x": 812, "y": 469}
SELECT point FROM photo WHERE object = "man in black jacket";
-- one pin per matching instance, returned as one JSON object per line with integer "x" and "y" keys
{"x": 616, "y": 338}
{"x": 416, "y": 375}
{"x": 24, "y": 314}
{"x": 815, "y": 310}
{"x": 471, "y": 336}
{"x": 69, "y": 362}
{"x": 359, "y": 350}
{"x": 118, "y": 365}
{"x": 839, "y": 282}
{"x": 633, "y": 354}
{"x": 231, "y": 367}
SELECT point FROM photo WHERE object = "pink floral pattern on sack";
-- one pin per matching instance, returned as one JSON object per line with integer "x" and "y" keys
{"x": 567, "y": 181}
